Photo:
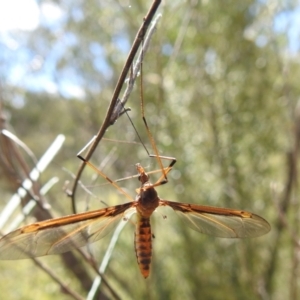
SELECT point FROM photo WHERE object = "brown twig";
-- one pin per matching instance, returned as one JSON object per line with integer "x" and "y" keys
{"x": 63, "y": 286}
{"x": 93, "y": 264}
{"x": 112, "y": 107}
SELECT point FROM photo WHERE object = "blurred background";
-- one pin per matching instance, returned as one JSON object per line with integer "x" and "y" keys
{"x": 221, "y": 91}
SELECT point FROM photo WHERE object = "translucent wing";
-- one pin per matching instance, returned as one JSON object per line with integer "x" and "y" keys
{"x": 220, "y": 222}
{"x": 62, "y": 234}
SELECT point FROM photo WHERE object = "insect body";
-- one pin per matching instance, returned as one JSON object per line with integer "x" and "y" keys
{"x": 66, "y": 233}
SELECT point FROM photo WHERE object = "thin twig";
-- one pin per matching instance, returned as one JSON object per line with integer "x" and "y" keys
{"x": 137, "y": 66}
{"x": 107, "y": 256}
{"x": 92, "y": 263}
{"x": 63, "y": 286}
{"x": 107, "y": 122}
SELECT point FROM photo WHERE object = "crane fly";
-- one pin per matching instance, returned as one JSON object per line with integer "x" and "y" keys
{"x": 74, "y": 231}
{"x": 66, "y": 233}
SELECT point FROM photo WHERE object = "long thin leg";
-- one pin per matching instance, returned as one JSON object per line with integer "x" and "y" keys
{"x": 163, "y": 179}
{"x": 105, "y": 177}
{"x": 165, "y": 170}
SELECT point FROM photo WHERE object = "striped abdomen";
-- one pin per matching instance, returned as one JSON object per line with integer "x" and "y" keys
{"x": 143, "y": 244}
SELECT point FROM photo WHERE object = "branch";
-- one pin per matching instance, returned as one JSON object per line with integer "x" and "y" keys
{"x": 114, "y": 101}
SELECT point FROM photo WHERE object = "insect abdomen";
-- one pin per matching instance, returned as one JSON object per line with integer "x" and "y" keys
{"x": 143, "y": 245}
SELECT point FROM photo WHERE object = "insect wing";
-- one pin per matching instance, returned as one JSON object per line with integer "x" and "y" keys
{"x": 62, "y": 234}
{"x": 220, "y": 222}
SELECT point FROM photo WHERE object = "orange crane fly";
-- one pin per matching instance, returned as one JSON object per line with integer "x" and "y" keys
{"x": 66, "y": 233}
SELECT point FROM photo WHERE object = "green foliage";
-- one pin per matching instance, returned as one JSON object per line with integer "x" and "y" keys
{"x": 215, "y": 98}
